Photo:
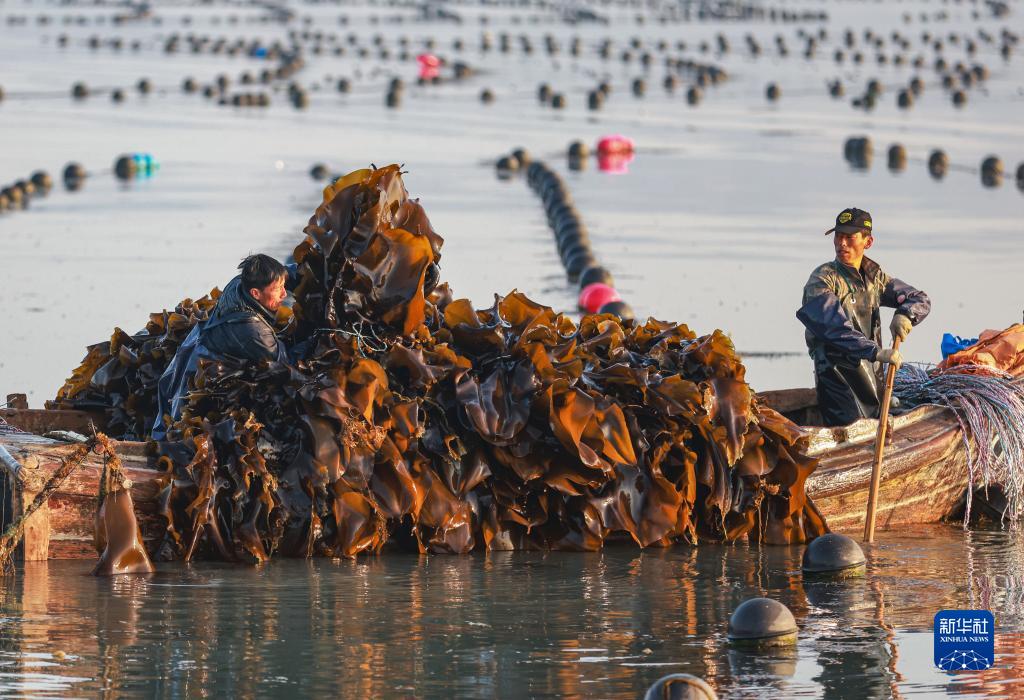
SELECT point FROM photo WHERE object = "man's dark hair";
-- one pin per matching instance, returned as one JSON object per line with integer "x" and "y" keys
{"x": 260, "y": 270}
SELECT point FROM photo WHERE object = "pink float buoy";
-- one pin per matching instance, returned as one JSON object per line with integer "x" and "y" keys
{"x": 430, "y": 66}
{"x": 616, "y": 143}
{"x": 594, "y": 296}
{"x": 614, "y": 163}
{"x": 614, "y": 154}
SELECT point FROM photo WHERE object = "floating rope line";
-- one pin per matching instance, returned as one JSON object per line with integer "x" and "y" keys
{"x": 989, "y": 404}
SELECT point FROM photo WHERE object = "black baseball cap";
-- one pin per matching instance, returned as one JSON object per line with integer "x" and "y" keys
{"x": 852, "y": 220}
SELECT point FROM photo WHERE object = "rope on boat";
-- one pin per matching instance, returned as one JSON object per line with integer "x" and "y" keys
{"x": 12, "y": 536}
{"x": 989, "y": 404}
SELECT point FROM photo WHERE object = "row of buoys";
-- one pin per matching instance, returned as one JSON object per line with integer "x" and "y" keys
{"x": 597, "y": 293}
{"x": 126, "y": 167}
{"x": 760, "y": 624}
{"x": 254, "y": 99}
{"x": 18, "y": 194}
{"x": 858, "y": 151}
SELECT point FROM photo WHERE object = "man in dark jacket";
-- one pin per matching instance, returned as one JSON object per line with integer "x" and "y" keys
{"x": 844, "y": 330}
{"x": 242, "y": 324}
{"x": 241, "y": 327}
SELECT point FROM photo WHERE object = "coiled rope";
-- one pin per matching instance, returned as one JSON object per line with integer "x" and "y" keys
{"x": 989, "y": 405}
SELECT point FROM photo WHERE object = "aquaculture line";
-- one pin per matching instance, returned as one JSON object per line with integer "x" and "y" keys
{"x": 408, "y": 416}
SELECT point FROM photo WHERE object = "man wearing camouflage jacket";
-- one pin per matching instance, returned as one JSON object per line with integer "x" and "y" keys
{"x": 844, "y": 330}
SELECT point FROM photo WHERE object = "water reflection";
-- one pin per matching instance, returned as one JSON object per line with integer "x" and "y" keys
{"x": 509, "y": 624}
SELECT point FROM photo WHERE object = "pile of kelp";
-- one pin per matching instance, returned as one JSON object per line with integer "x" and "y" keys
{"x": 410, "y": 417}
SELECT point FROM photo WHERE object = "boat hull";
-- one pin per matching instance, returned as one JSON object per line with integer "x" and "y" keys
{"x": 924, "y": 477}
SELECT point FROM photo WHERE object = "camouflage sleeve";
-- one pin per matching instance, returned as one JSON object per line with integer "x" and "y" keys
{"x": 912, "y": 303}
{"x": 823, "y": 316}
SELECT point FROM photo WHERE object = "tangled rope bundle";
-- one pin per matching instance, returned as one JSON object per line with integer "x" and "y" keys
{"x": 410, "y": 416}
{"x": 989, "y": 404}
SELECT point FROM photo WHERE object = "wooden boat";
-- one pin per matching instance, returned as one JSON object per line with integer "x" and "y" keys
{"x": 924, "y": 475}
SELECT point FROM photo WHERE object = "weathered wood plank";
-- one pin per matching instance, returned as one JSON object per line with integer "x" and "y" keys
{"x": 42, "y": 421}
{"x": 35, "y": 543}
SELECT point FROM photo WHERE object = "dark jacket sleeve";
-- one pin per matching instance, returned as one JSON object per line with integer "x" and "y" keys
{"x": 912, "y": 303}
{"x": 824, "y": 317}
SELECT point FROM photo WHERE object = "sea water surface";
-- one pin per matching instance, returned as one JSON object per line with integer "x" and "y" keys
{"x": 716, "y": 223}
{"x": 512, "y": 625}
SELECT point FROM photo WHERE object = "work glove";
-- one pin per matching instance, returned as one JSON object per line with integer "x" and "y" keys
{"x": 889, "y": 356}
{"x": 900, "y": 327}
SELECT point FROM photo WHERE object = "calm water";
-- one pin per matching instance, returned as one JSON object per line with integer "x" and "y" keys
{"x": 717, "y": 224}
{"x": 511, "y": 625}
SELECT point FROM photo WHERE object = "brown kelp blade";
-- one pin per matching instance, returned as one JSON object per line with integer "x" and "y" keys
{"x": 124, "y": 552}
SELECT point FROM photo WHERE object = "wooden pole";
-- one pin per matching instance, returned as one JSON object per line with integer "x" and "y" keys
{"x": 876, "y": 468}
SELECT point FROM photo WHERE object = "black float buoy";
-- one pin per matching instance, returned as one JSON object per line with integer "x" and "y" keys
{"x": 833, "y": 555}
{"x": 905, "y": 99}
{"x": 680, "y": 686}
{"x": 618, "y": 308}
{"x": 938, "y": 164}
{"x": 393, "y": 99}
{"x": 14, "y": 197}
{"x": 486, "y": 96}
{"x": 344, "y": 86}
{"x": 858, "y": 151}
{"x": 26, "y": 188}
{"x": 959, "y": 98}
{"x": 762, "y": 622}
{"x": 897, "y": 158}
{"x": 125, "y": 167}
{"x": 1020, "y": 176}
{"x": 117, "y": 95}
{"x": 544, "y": 93}
{"x": 916, "y": 86}
{"x": 578, "y": 149}
{"x": 42, "y": 180}
{"x": 522, "y": 157}
{"x": 639, "y": 87}
{"x": 79, "y": 91}
{"x": 507, "y": 164}
{"x": 558, "y": 101}
{"x": 595, "y": 99}
{"x": 74, "y": 176}
{"x": 319, "y": 172}
{"x": 693, "y": 95}
{"x": 991, "y": 171}
{"x": 772, "y": 93}
{"x": 835, "y": 89}
{"x": 189, "y": 86}
{"x": 575, "y": 264}
{"x": 144, "y": 86}
{"x": 598, "y": 274}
